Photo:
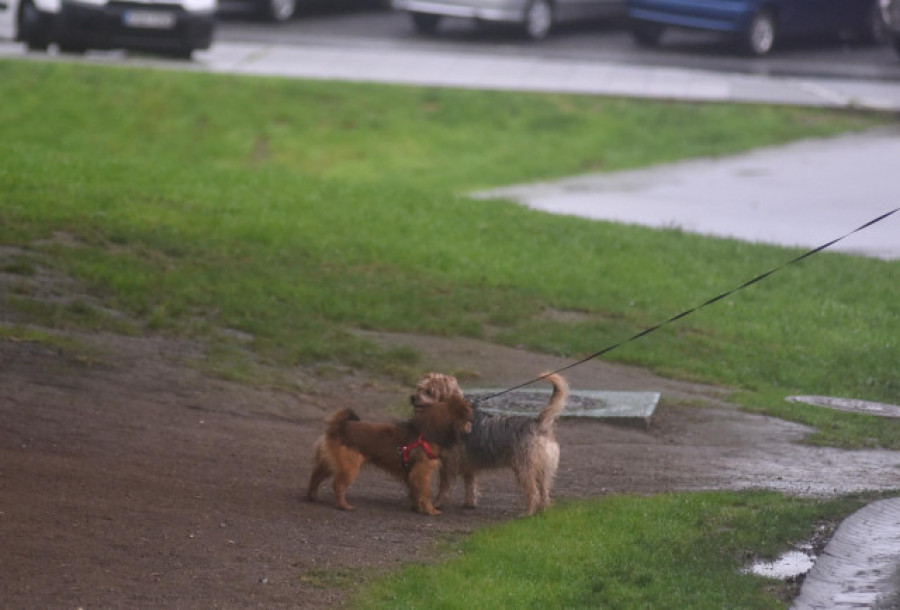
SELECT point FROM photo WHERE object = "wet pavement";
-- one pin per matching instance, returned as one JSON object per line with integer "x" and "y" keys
{"x": 801, "y": 194}
{"x": 515, "y": 73}
{"x": 859, "y": 567}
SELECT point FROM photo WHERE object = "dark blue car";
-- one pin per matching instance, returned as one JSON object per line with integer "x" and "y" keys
{"x": 759, "y": 24}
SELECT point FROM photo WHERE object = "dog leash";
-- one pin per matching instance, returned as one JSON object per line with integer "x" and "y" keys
{"x": 688, "y": 312}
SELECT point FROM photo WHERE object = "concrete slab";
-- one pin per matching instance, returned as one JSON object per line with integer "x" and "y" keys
{"x": 849, "y": 404}
{"x": 616, "y": 407}
{"x": 858, "y": 566}
{"x": 802, "y": 194}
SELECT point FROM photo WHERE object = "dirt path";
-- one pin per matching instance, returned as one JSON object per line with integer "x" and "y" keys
{"x": 133, "y": 480}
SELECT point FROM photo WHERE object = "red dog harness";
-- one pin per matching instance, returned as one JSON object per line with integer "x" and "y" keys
{"x": 419, "y": 442}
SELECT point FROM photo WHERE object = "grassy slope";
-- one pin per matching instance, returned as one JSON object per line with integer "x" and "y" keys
{"x": 293, "y": 211}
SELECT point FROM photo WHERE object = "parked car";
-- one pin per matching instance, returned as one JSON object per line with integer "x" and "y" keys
{"x": 891, "y": 10}
{"x": 536, "y": 18}
{"x": 758, "y": 25}
{"x": 175, "y": 27}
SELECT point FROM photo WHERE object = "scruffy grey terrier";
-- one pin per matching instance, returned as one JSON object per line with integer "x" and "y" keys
{"x": 525, "y": 444}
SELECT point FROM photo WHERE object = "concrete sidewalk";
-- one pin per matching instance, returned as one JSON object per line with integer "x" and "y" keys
{"x": 802, "y": 194}
{"x": 505, "y": 72}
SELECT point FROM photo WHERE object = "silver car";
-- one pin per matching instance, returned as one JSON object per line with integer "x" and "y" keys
{"x": 536, "y": 18}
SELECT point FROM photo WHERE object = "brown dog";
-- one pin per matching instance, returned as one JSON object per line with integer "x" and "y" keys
{"x": 409, "y": 450}
{"x": 525, "y": 444}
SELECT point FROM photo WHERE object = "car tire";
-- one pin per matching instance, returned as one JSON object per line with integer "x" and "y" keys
{"x": 278, "y": 11}
{"x": 647, "y": 34}
{"x": 759, "y": 39}
{"x": 537, "y": 21}
{"x": 895, "y": 42}
{"x": 34, "y": 30}
{"x": 425, "y": 23}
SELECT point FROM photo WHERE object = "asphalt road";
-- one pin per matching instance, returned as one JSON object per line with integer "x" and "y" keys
{"x": 606, "y": 41}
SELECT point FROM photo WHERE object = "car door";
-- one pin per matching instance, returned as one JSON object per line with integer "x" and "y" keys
{"x": 809, "y": 16}
{"x": 569, "y": 10}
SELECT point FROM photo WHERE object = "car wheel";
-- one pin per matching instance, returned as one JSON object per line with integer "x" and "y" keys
{"x": 875, "y": 28}
{"x": 647, "y": 34}
{"x": 760, "y": 36}
{"x": 538, "y": 19}
{"x": 33, "y": 28}
{"x": 279, "y": 11}
{"x": 425, "y": 23}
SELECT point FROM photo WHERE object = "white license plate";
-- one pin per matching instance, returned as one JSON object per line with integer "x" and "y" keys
{"x": 152, "y": 20}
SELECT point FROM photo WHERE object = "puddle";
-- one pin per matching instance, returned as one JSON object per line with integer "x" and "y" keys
{"x": 797, "y": 562}
{"x": 789, "y": 566}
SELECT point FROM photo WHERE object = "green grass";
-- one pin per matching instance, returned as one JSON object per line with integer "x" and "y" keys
{"x": 621, "y": 552}
{"x": 294, "y": 212}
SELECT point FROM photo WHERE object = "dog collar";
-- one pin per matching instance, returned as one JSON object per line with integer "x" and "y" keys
{"x": 419, "y": 442}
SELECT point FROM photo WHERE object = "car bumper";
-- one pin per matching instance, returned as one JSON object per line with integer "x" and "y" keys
{"x": 158, "y": 27}
{"x": 693, "y": 14}
{"x": 502, "y": 11}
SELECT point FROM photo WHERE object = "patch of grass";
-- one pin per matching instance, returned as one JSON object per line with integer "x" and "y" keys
{"x": 667, "y": 551}
{"x": 334, "y": 578}
{"x": 295, "y": 212}
{"x": 75, "y": 351}
{"x": 19, "y": 266}
{"x": 24, "y": 334}
{"x": 75, "y": 314}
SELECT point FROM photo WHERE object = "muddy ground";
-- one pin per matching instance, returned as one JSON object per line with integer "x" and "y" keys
{"x": 130, "y": 478}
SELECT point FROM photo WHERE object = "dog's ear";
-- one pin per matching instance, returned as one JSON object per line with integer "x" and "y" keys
{"x": 462, "y": 415}
{"x": 462, "y": 408}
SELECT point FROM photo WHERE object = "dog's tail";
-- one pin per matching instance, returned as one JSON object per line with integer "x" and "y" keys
{"x": 557, "y": 401}
{"x": 337, "y": 421}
